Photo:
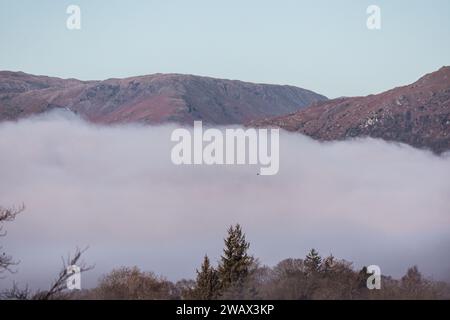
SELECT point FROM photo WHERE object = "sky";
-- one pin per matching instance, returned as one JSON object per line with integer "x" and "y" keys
{"x": 319, "y": 45}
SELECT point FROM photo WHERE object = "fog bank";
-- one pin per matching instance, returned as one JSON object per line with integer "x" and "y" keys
{"x": 116, "y": 190}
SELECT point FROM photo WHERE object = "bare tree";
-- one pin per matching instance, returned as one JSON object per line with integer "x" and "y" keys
{"x": 16, "y": 293}
{"x": 60, "y": 284}
{"x": 7, "y": 262}
{"x": 57, "y": 288}
{"x": 6, "y": 215}
{"x": 132, "y": 283}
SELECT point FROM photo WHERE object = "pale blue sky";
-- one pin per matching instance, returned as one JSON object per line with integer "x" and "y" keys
{"x": 319, "y": 45}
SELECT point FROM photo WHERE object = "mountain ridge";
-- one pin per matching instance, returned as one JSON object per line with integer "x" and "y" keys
{"x": 155, "y": 98}
{"x": 417, "y": 114}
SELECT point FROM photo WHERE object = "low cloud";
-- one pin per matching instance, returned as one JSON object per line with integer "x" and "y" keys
{"x": 116, "y": 190}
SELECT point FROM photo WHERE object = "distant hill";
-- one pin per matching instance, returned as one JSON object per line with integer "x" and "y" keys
{"x": 154, "y": 98}
{"x": 417, "y": 114}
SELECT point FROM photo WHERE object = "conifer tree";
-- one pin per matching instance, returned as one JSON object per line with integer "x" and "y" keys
{"x": 235, "y": 265}
{"x": 313, "y": 261}
{"x": 207, "y": 283}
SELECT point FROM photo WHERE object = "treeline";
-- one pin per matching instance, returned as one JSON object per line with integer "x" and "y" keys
{"x": 240, "y": 276}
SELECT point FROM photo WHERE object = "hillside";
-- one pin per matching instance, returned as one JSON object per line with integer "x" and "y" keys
{"x": 154, "y": 98}
{"x": 417, "y": 114}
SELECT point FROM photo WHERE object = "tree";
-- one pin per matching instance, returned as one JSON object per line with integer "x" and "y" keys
{"x": 313, "y": 262}
{"x": 6, "y": 215}
{"x": 289, "y": 281}
{"x": 184, "y": 289}
{"x": 131, "y": 283}
{"x": 57, "y": 288}
{"x": 328, "y": 265}
{"x": 6, "y": 262}
{"x": 16, "y": 293}
{"x": 236, "y": 264}
{"x": 207, "y": 285}
{"x": 60, "y": 284}
{"x": 414, "y": 286}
